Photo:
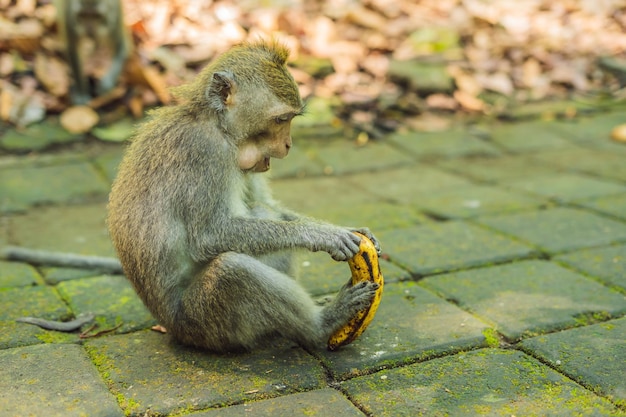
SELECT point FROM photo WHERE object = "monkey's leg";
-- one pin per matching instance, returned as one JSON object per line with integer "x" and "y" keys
{"x": 240, "y": 301}
{"x": 283, "y": 261}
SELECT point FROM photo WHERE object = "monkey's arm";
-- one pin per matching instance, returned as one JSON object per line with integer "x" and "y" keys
{"x": 258, "y": 237}
{"x": 47, "y": 258}
{"x": 262, "y": 195}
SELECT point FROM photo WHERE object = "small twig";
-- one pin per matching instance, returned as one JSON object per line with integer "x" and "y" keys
{"x": 85, "y": 335}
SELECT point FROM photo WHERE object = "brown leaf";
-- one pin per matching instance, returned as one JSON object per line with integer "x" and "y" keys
{"x": 147, "y": 76}
{"x": 429, "y": 122}
{"x": 52, "y": 74}
{"x": 156, "y": 83}
{"x": 110, "y": 96}
{"x": 366, "y": 18}
{"x": 21, "y": 106}
{"x": 618, "y": 133}
{"x": 158, "y": 328}
{"x": 468, "y": 101}
{"x": 135, "y": 105}
{"x": 441, "y": 101}
{"x": 79, "y": 119}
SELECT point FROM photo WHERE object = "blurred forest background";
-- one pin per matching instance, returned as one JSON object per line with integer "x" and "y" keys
{"x": 373, "y": 63}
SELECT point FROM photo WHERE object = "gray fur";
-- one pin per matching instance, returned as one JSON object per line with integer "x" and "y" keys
{"x": 203, "y": 242}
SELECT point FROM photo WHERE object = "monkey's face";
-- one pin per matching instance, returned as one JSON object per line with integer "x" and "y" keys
{"x": 271, "y": 138}
{"x": 274, "y": 142}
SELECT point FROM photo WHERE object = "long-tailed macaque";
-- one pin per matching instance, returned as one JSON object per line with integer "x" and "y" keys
{"x": 88, "y": 28}
{"x": 194, "y": 225}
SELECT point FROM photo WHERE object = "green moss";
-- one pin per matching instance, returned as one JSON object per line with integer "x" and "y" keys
{"x": 491, "y": 338}
{"x": 129, "y": 405}
{"x": 585, "y": 319}
{"x": 101, "y": 363}
{"x": 56, "y": 337}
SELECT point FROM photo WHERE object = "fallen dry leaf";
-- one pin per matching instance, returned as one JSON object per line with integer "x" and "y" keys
{"x": 79, "y": 119}
{"x": 468, "y": 101}
{"x": 51, "y": 72}
{"x": 158, "y": 328}
{"x": 21, "y": 106}
{"x": 619, "y": 133}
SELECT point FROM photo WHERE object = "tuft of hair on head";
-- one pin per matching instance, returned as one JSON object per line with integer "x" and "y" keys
{"x": 278, "y": 50}
{"x": 258, "y": 62}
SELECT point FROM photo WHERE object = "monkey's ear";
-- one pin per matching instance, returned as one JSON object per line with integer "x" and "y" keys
{"x": 221, "y": 90}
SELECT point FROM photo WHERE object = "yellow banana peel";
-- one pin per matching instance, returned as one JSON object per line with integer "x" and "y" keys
{"x": 364, "y": 266}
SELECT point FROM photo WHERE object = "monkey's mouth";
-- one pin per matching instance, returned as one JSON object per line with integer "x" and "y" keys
{"x": 263, "y": 165}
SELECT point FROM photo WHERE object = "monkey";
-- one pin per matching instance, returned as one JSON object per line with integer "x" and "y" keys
{"x": 195, "y": 227}
{"x": 95, "y": 23}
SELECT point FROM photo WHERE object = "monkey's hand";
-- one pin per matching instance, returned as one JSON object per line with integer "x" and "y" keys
{"x": 339, "y": 242}
{"x": 365, "y": 231}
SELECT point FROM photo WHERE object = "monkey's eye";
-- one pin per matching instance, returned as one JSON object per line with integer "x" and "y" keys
{"x": 283, "y": 118}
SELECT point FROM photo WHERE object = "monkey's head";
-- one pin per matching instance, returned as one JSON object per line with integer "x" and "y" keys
{"x": 254, "y": 98}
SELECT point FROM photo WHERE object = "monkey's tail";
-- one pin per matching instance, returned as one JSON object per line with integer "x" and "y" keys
{"x": 61, "y": 259}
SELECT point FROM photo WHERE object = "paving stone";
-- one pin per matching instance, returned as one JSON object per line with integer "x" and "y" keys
{"x": 452, "y": 143}
{"x": 40, "y": 160}
{"x": 15, "y": 274}
{"x": 323, "y": 403}
{"x": 307, "y": 195}
{"x": 341, "y": 157}
{"x": 78, "y": 229}
{"x": 108, "y": 161}
{"x": 593, "y": 128}
{"x": 116, "y": 132}
{"x": 376, "y": 216}
{"x": 51, "y": 184}
{"x": 410, "y": 323}
{"x": 528, "y": 136}
{"x": 495, "y": 170}
{"x": 37, "y": 136}
{"x": 111, "y": 298}
{"x": 590, "y": 161}
{"x": 592, "y": 355}
{"x": 54, "y": 275}
{"x": 37, "y": 301}
{"x": 613, "y": 146}
{"x": 149, "y": 372}
{"x": 608, "y": 264}
{"x": 52, "y": 380}
{"x": 474, "y": 200}
{"x": 546, "y": 110}
{"x": 567, "y": 187}
{"x": 559, "y": 229}
{"x": 440, "y": 247}
{"x": 612, "y": 205}
{"x": 321, "y": 275}
{"x": 4, "y": 231}
{"x": 406, "y": 185}
{"x": 302, "y": 161}
{"x": 528, "y": 297}
{"x": 485, "y": 382}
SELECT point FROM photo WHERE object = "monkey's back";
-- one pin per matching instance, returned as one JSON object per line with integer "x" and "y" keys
{"x": 158, "y": 191}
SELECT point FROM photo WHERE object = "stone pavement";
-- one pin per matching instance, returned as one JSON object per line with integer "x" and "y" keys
{"x": 505, "y": 267}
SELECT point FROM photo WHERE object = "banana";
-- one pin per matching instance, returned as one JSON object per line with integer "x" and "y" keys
{"x": 364, "y": 266}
